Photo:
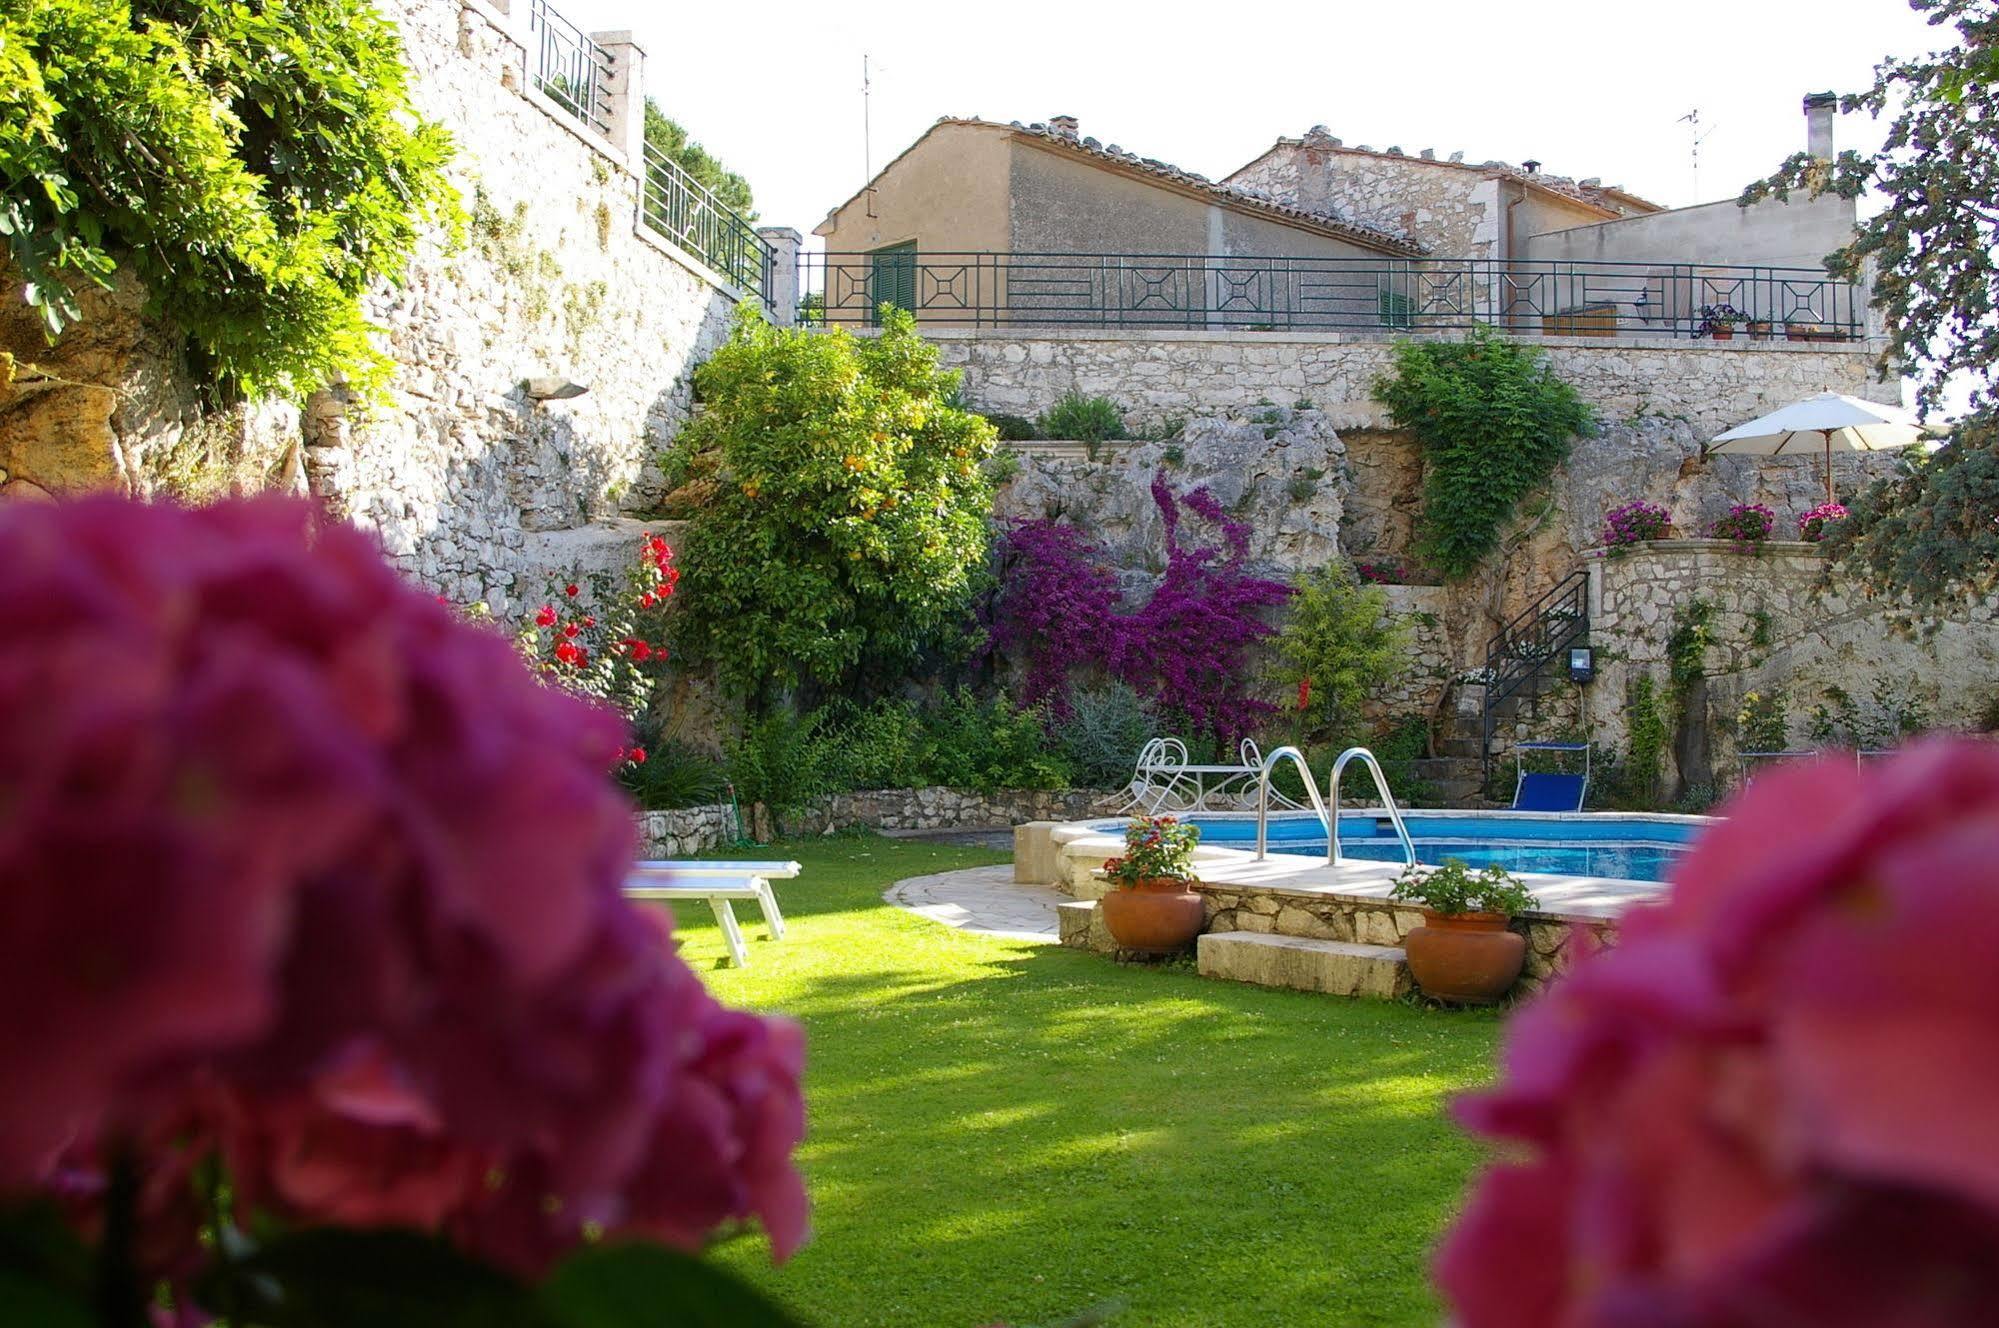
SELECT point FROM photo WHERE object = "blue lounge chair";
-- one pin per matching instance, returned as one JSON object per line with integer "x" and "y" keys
{"x": 1549, "y": 791}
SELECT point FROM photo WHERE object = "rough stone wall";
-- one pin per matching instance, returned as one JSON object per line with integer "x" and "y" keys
{"x": 461, "y": 471}
{"x": 1157, "y": 376}
{"x": 1774, "y": 629}
{"x": 1441, "y": 206}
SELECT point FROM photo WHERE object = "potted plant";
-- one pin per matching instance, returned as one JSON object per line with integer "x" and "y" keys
{"x": 1812, "y": 525}
{"x": 1798, "y": 328}
{"x": 1719, "y": 320}
{"x": 1747, "y": 525}
{"x": 1153, "y": 907}
{"x": 1464, "y": 952}
{"x": 1759, "y": 329}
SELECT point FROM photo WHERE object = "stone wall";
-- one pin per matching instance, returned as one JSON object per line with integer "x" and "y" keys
{"x": 695, "y": 830}
{"x": 462, "y": 471}
{"x": 1447, "y": 208}
{"x": 470, "y": 482}
{"x": 1775, "y": 629}
{"x": 1159, "y": 376}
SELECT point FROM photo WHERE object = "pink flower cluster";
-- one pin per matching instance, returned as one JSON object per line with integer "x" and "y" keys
{"x": 1635, "y": 522}
{"x": 1771, "y": 1102}
{"x": 305, "y": 873}
{"x": 1812, "y": 525}
{"x": 1746, "y": 524}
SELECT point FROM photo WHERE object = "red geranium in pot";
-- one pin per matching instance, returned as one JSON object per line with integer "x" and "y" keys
{"x": 1153, "y": 907}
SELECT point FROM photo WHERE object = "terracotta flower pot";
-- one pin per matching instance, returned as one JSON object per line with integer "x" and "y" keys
{"x": 1723, "y": 334}
{"x": 1469, "y": 958}
{"x": 1158, "y": 916}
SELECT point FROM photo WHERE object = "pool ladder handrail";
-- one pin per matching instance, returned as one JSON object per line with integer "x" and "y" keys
{"x": 1330, "y": 820}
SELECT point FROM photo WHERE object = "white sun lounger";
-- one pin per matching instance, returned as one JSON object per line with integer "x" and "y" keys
{"x": 718, "y": 884}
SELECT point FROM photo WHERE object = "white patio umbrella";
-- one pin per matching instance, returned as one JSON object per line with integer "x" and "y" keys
{"x": 1820, "y": 424}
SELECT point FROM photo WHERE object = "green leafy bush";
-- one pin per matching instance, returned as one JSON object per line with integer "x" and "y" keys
{"x": 1454, "y": 888}
{"x": 675, "y": 775}
{"x": 258, "y": 166}
{"x": 1493, "y": 421}
{"x": 1340, "y": 645}
{"x": 989, "y": 745}
{"x": 838, "y": 506}
{"x": 777, "y": 760}
{"x": 1083, "y": 419}
{"x": 879, "y": 747}
{"x": 1012, "y": 428}
{"x": 1761, "y": 722}
{"x": 1102, "y": 733}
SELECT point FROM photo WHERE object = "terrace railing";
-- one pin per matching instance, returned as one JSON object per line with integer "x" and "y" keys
{"x": 1274, "y": 293}
{"x": 567, "y": 67}
{"x": 683, "y": 210}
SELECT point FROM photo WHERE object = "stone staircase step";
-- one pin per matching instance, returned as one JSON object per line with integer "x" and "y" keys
{"x": 1339, "y": 968}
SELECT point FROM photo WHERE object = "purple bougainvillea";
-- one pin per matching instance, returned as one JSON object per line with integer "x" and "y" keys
{"x": 1187, "y": 648}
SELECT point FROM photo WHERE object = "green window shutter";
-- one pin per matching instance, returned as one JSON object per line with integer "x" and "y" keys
{"x": 892, "y": 277}
{"x": 1396, "y": 309}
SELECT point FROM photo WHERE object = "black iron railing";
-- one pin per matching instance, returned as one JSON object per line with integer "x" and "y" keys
{"x": 567, "y": 67}
{"x": 1198, "y": 291}
{"x": 1541, "y": 633}
{"x": 681, "y": 208}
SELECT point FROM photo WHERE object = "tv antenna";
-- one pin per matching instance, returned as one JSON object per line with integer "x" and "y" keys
{"x": 1692, "y": 120}
{"x": 867, "y": 130}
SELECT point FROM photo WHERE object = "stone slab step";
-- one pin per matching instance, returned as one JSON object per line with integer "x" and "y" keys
{"x": 1340, "y": 968}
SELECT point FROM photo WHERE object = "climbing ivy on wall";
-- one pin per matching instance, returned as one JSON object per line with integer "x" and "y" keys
{"x": 1494, "y": 421}
{"x": 257, "y": 165}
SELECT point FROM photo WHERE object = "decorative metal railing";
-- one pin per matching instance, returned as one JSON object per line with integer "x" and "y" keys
{"x": 681, "y": 208}
{"x": 1195, "y": 291}
{"x": 567, "y": 67}
{"x": 1524, "y": 647}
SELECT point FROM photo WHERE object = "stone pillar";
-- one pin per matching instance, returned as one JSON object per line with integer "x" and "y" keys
{"x": 781, "y": 293}
{"x": 625, "y": 97}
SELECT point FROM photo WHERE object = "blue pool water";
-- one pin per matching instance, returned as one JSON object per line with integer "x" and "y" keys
{"x": 1623, "y": 847}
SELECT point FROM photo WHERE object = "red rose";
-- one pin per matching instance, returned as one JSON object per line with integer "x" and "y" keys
{"x": 545, "y": 616}
{"x": 571, "y": 590}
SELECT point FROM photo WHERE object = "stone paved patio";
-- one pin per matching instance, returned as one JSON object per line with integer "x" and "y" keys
{"x": 985, "y": 900}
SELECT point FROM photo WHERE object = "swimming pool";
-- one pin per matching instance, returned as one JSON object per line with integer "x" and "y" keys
{"x": 1631, "y": 848}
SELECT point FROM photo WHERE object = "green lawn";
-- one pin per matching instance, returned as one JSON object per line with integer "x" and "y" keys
{"x": 1018, "y": 1132}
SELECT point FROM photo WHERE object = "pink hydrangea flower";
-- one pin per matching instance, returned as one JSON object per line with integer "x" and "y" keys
{"x": 305, "y": 870}
{"x": 1771, "y": 1102}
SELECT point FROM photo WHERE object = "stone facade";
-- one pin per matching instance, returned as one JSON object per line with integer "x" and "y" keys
{"x": 686, "y": 832}
{"x": 1776, "y": 628}
{"x": 1160, "y": 376}
{"x": 463, "y": 469}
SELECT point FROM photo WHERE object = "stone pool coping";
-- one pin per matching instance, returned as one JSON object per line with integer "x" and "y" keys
{"x": 1080, "y": 849}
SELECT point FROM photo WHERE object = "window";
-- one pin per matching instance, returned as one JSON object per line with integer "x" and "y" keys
{"x": 892, "y": 278}
{"x": 1396, "y": 309}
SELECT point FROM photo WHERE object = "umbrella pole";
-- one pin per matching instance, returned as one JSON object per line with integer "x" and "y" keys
{"x": 1828, "y": 467}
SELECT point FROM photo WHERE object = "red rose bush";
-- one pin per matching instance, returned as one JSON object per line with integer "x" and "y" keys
{"x": 1772, "y": 1103}
{"x": 308, "y": 877}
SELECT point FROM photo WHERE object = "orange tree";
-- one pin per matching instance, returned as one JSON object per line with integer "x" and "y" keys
{"x": 837, "y": 503}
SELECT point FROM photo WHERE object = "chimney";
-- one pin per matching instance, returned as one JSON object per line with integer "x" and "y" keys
{"x": 1820, "y": 108}
{"x": 1065, "y": 126}
{"x": 1531, "y": 166}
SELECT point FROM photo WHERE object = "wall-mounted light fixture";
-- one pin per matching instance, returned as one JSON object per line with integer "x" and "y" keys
{"x": 554, "y": 388}
{"x": 1582, "y": 664}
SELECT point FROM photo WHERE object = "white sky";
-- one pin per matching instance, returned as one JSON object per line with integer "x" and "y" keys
{"x": 1588, "y": 87}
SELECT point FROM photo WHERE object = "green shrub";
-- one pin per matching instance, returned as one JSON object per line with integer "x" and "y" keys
{"x": 1012, "y": 428}
{"x": 1762, "y": 722}
{"x": 1082, "y": 419}
{"x": 1493, "y": 422}
{"x": 839, "y": 506}
{"x": 1344, "y": 638}
{"x": 880, "y": 747}
{"x": 1102, "y": 733}
{"x": 675, "y": 775}
{"x": 779, "y": 761}
{"x": 259, "y": 167}
{"x": 989, "y": 745}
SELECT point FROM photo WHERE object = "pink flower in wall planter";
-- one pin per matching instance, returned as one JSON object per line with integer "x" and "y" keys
{"x": 1813, "y": 524}
{"x": 1771, "y": 1101}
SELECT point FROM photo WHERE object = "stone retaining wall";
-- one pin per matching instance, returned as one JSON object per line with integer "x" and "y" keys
{"x": 695, "y": 830}
{"x": 1324, "y": 917}
{"x": 1775, "y": 627}
{"x": 1157, "y": 375}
